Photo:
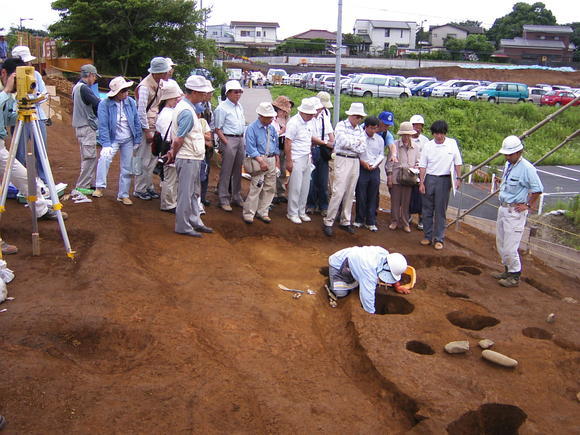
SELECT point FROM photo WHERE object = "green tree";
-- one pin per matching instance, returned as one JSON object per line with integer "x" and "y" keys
{"x": 511, "y": 25}
{"x": 468, "y": 23}
{"x": 575, "y": 38}
{"x": 352, "y": 41}
{"x": 293, "y": 45}
{"x": 126, "y": 34}
{"x": 480, "y": 45}
{"x": 455, "y": 47}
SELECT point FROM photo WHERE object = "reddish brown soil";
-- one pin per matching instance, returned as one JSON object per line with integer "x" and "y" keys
{"x": 148, "y": 331}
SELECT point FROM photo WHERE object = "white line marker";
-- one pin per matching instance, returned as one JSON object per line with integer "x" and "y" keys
{"x": 570, "y": 169}
{"x": 557, "y": 175}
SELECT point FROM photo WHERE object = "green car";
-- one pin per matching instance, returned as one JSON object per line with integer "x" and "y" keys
{"x": 504, "y": 92}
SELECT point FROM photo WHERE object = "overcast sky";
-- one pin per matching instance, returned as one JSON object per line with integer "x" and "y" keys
{"x": 296, "y": 16}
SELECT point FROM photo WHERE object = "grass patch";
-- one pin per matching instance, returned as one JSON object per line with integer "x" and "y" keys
{"x": 479, "y": 127}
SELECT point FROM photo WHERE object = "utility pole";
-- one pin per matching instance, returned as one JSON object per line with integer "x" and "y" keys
{"x": 24, "y": 19}
{"x": 338, "y": 68}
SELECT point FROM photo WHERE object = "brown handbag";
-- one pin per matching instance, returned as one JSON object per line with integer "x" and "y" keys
{"x": 406, "y": 177}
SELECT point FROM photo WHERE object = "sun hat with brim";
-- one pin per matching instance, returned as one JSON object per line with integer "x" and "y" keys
{"x": 283, "y": 103}
{"x": 23, "y": 52}
{"x": 89, "y": 69}
{"x": 356, "y": 109}
{"x": 159, "y": 65}
{"x": 233, "y": 85}
{"x": 197, "y": 83}
{"x": 266, "y": 109}
{"x": 387, "y": 118}
{"x": 324, "y": 98}
{"x": 307, "y": 106}
{"x": 209, "y": 85}
{"x": 417, "y": 119}
{"x": 117, "y": 84}
{"x": 170, "y": 90}
{"x": 170, "y": 62}
{"x": 317, "y": 103}
{"x": 406, "y": 128}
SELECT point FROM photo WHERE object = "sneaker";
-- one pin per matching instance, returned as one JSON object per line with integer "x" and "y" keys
{"x": 407, "y": 229}
{"x": 425, "y": 242}
{"x": 327, "y": 230}
{"x": 294, "y": 219}
{"x": 372, "y": 228}
{"x": 142, "y": 195}
{"x": 357, "y": 225}
{"x": 348, "y": 228}
{"x": 265, "y": 219}
{"x": 8, "y": 249}
{"x": 127, "y": 201}
{"x": 310, "y": 210}
{"x": 305, "y": 218}
{"x": 393, "y": 227}
{"x": 513, "y": 280}
{"x": 323, "y": 213}
{"x": 52, "y": 215}
{"x": 204, "y": 229}
{"x": 501, "y": 275}
{"x": 226, "y": 207}
{"x": 97, "y": 193}
{"x": 84, "y": 191}
{"x": 248, "y": 221}
{"x": 153, "y": 194}
{"x": 420, "y": 226}
{"x": 167, "y": 210}
{"x": 438, "y": 246}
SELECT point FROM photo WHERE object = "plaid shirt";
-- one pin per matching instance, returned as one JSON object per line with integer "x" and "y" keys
{"x": 348, "y": 139}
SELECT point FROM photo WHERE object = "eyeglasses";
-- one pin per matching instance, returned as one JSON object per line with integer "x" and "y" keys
{"x": 237, "y": 91}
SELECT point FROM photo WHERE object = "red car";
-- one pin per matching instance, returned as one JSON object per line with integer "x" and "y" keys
{"x": 558, "y": 98}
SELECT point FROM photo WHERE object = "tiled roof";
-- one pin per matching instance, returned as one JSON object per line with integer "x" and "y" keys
{"x": 316, "y": 34}
{"x": 536, "y": 43}
{"x": 253, "y": 24}
{"x": 547, "y": 29}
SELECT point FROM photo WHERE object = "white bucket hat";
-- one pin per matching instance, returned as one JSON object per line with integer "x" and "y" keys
{"x": 208, "y": 83}
{"x": 417, "y": 119}
{"x": 356, "y": 109}
{"x": 23, "y": 52}
{"x": 233, "y": 85}
{"x": 170, "y": 90}
{"x": 159, "y": 65}
{"x": 406, "y": 128}
{"x": 308, "y": 106}
{"x": 317, "y": 103}
{"x": 266, "y": 109}
{"x": 170, "y": 62}
{"x": 117, "y": 85}
{"x": 197, "y": 83}
{"x": 324, "y": 98}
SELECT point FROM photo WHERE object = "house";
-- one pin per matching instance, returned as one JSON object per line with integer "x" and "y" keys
{"x": 244, "y": 34}
{"x": 438, "y": 34}
{"x": 540, "y": 44}
{"x": 379, "y": 35}
{"x": 329, "y": 37}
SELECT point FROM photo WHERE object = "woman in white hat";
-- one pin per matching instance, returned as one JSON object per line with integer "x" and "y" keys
{"x": 119, "y": 130}
{"x": 170, "y": 95}
{"x": 400, "y": 189}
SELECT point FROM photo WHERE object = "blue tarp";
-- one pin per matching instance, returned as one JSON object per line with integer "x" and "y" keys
{"x": 546, "y": 68}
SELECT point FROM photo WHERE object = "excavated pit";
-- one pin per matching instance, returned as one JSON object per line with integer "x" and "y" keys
{"x": 391, "y": 304}
{"x": 489, "y": 419}
{"x": 469, "y": 320}
{"x": 419, "y": 347}
{"x": 537, "y": 333}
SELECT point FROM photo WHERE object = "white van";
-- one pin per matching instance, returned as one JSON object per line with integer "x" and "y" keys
{"x": 234, "y": 73}
{"x": 275, "y": 72}
{"x": 377, "y": 85}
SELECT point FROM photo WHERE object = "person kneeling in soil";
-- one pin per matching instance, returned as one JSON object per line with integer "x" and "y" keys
{"x": 365, "y": 267}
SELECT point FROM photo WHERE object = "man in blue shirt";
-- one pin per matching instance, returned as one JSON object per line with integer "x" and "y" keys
{"x": 262, "y": 163}
{"x": 519, "y": 190}
{"x": 3, "y": 46}
{"x": 387, "y": 121}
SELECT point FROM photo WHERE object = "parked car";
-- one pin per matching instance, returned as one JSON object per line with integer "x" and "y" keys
{"x": 451, "y": 87}
{"x": 329, "y": 82}
{"x": 558, "y": 98}
{"x": 311, "y": 78}
{"x": 413, "y": 81}
{"x": 505, "y": 92}
{"x": 376, "y": 85}
{"x": 416, "y": 90}
{"x": 535, "y": 94}
{"x": 561, "y": 88}
{"x": 297, "y": 78}
{"x": 319, "y": 82}
{"x": 469, "y": 92}
{"x": 275, "y": 72}
{"x": 426, "y": 91}
{"x": 353, "y": 82}
{"x": 234, "y": 73}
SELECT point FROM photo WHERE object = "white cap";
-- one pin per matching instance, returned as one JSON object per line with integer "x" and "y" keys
{"x": 23, "y": 52}
{"x": 308, "y": 106}
{"x": 233, "y": 85}
{"x": 117, "y": 84}
{"x": 266, "y": 109}
{"x": 417, "y": 119}
{"x": 197, "y": 83}
{"x": 356, "y": 109}
{"x": 511, "y": 145}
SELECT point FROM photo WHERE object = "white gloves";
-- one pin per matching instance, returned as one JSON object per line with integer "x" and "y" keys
{"x": 107, "y": 152}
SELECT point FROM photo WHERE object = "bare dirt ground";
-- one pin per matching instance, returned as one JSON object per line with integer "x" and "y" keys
{"x": 152, "y": 332}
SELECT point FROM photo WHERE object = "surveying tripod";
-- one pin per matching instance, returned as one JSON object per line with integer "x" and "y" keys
{"x": 27, "y": 117}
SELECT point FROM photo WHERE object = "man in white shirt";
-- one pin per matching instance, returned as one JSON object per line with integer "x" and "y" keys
{"x": 322, "y": 145}
{"x": 297, "y": 147}
{"x": 229, "y": 126}
{"x": 439, "y": 166}
{"x": 350, "y": 143}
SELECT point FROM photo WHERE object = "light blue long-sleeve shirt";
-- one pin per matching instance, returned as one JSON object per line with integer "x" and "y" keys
{"x": 256, "y": 138}
{"x": 518, "y": 181}
{"x": 365, "y": 263}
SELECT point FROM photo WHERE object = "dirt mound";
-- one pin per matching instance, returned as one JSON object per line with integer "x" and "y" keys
{"x": 148, "y": 330}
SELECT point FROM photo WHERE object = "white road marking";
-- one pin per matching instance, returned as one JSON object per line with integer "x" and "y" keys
{"x": 557, "y": 175}
{"x": 570, "y": 169}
